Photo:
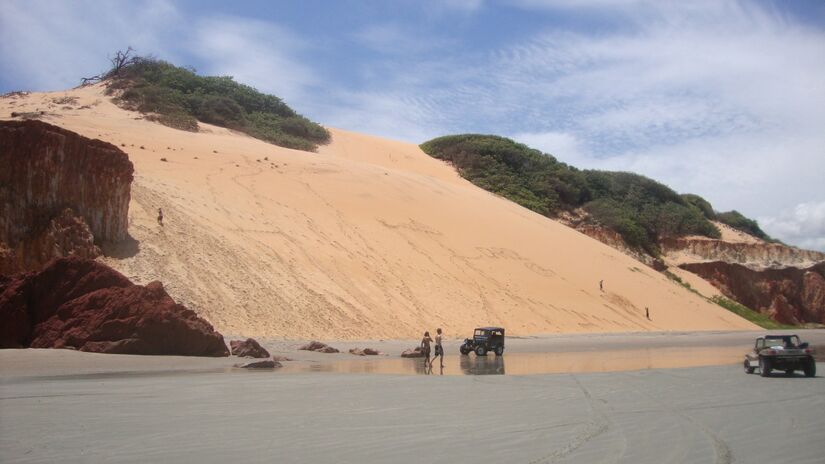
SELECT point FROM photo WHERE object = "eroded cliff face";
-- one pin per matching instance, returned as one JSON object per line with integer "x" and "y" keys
{"x": 789, "y": 295}
{"x": 60, "y": 194}
{"x": 754, "y": 255}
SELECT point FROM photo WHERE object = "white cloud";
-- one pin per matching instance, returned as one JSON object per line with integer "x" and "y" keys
{"x": 804, "y": 224}
{"x": 51, "y": 45}
{"x": 254, "y": 52}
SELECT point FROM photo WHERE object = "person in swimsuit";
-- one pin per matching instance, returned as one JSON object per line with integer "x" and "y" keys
{"x": 425, "y": 347}
{"x": 439, "y": 350}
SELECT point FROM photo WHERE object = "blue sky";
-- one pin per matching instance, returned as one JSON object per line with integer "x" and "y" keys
{"x": 721, "y": 98}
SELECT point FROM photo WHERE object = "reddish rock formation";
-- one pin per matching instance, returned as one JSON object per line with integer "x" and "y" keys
{"x": 45, "y": 170}
{"x": 319, "y": 347}
{"x": 82, "y": 304}
{"x": 413, "y": 353}
{"x": 789, "y": 295}
{"x": 759, "y": 255}
{"x": 248, "y": 348}
{"x": 364, "y": 352}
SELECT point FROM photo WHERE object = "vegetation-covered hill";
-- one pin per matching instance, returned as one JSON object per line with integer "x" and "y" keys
{"x": 640, "y": 209}
{"x": 179, "y": 98}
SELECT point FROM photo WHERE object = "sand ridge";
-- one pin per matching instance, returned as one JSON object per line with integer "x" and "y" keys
{"x": 368, "y": 238}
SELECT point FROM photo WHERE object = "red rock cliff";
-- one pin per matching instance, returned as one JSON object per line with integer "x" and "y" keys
{"x": 85, "y": 305}
{"x": 789, "y": 295}
{"x": 47, "y": 170}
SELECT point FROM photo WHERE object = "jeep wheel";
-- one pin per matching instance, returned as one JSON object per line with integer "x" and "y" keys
{"x": 748, "y": 368}
{"x": 810, "y": 368}
{"x": 481, "y": 351}
{"x": 765, "y": 367}
{"x": 499, "y": 350}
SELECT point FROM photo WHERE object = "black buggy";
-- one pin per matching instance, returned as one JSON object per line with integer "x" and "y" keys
{"x": 485, "y": 339}
{"x": 780, "y": 352}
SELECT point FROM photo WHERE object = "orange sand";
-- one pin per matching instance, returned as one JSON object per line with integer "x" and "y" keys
{"x": 369, "y": 238}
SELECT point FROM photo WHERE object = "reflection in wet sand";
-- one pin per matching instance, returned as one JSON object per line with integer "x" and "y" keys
{"x": 535, "y": 363}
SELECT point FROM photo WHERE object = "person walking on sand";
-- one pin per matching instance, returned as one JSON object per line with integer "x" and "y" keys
{"x": 647, "y": 313}
{"x": 439, "y": 350}
{"x": 425, "y": 348}
{"x": 601, "y": 285}
{"x": 160, "y": 217}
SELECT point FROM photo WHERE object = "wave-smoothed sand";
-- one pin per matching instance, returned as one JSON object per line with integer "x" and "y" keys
{"x": 369, "y": 238}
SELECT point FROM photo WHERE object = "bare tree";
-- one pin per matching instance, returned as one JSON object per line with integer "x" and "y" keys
{"x": 121, "y": 60}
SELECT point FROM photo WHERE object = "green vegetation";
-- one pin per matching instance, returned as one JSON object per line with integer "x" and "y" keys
{"x": 749, "y": 314}
{"x": 736, "y": 220}
{"x": 179, "y": 98}
{"x": 640, "y": 209}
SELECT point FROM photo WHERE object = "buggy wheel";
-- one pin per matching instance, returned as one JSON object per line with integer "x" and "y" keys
{"x": 481, "y": 351}
{"x": 765, "y": 367}
{"x": 465, "y": 350}
{"x": 748, "y": 368}
{"x": 810, "y": 368}
{"x": 499, "y": 350}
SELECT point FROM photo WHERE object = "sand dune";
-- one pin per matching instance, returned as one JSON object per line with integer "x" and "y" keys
{"x": 369, "y": 238}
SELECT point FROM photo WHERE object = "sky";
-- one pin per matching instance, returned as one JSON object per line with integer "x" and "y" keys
{"x": 724, "y": 99}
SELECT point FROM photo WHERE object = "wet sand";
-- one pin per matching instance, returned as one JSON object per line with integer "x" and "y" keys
{"x": 66, "y": 406}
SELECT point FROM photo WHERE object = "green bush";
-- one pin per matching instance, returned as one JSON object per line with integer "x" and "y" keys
{"x": 754, "y": 316}
{"x": 640, "y": 209}
{"x": 179, "y": 98}
{"x": 739, "y": 222}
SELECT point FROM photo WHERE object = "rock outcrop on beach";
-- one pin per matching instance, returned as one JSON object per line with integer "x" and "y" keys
{"x": 364, "y": 352}
{"x": 61, "y": 194}
{"x": 413, "y": 353}
{"x": 82, "y": 304}
{"x": 319, "y": 347}
{"x": 788, "y": 295}
{"x": 248, "y": 348}
{"x": 268, "y": 364}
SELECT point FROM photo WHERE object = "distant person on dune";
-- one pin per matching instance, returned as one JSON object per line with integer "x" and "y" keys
{"x": 601, "y": 285}
{"x": 647, "y": 313}
{"x": 439, "y": 350}
{"x": 160, "y": 217}
{"x": 425, "y": 348}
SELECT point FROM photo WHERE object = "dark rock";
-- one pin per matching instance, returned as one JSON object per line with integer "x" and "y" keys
{"x": 84, "y": 304}
{"x": 319, "y": 347}
{"x": 268, "y": 364}
{"x": 413, "y": 353}
{"x": 248, "y": 348}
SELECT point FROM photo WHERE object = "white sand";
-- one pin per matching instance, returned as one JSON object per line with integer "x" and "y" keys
{"x": 369, "y": 238}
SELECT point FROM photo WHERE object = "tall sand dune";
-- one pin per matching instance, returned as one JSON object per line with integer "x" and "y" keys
{"x": 368, "y": 238}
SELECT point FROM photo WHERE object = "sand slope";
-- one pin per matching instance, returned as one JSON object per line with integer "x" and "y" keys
{"x": 369, "y": 238}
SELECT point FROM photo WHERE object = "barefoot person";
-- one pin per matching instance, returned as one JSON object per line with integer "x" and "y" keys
{"x": 160, "y": 217}
{"x": 439, "y": 350}
{"x": 425, "y": 347}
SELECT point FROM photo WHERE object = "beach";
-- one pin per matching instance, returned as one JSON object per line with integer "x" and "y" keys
{"x": 59, "y": 405}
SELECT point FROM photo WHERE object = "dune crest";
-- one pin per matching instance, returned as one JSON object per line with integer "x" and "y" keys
{"x": 367, "y": 239}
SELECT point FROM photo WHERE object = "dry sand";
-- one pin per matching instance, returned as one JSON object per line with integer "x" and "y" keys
{"x": 369, "y": 238}
{"x": 66, "y": 406}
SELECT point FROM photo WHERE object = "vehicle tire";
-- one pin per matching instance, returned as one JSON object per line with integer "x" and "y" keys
{"x": 499, "y": 350}
{"x": 810, "y": 368}
{"x": 465, "y": 350}
{"x": 748, "y": 368}
{"x": 765, "y": 367}
{"x": 481, "y": 351}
